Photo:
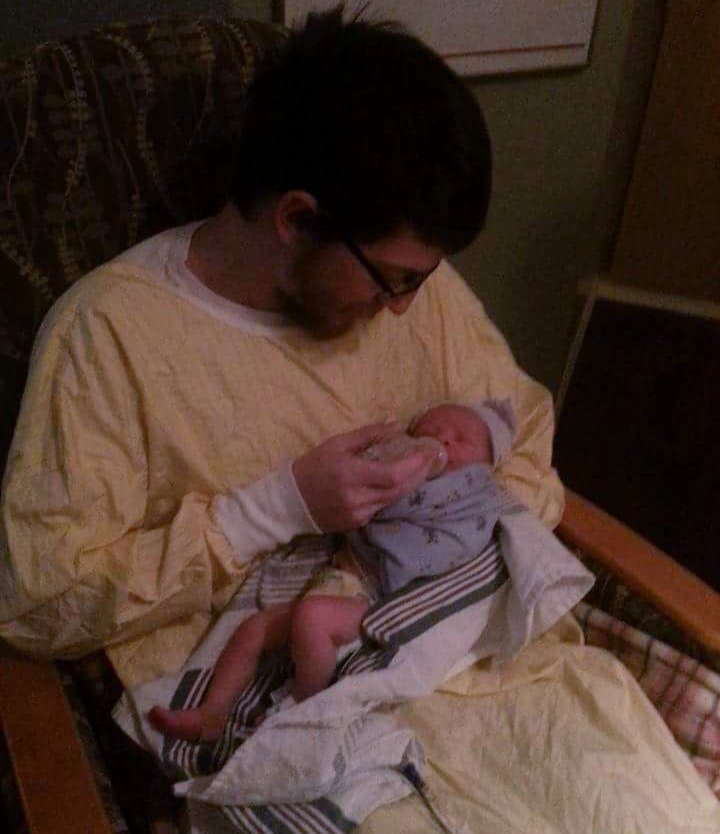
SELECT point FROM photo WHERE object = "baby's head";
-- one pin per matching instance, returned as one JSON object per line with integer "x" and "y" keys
{"x": 462, "y": 432}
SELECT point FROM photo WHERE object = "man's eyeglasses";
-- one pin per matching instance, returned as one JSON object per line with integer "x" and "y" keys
{"x": 410, "y": 282}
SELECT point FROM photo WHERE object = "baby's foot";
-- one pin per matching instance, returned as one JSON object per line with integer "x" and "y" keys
{"x": 188, "y": 724}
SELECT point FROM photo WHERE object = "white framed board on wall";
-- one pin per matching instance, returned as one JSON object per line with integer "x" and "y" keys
{"x": 482, "y": 37}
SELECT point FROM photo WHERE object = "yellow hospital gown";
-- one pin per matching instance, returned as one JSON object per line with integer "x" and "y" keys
{"x": 143, "y": 406}
{"x": 145, "y": 411}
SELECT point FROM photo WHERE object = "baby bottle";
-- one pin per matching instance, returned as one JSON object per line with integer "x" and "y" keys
{"x": 402, "y": 446}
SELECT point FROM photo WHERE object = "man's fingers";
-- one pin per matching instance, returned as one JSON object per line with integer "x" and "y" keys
{"x": 416, "y": 472}
{"x": 360, "y": 439}
{"x": 372, "y": 500}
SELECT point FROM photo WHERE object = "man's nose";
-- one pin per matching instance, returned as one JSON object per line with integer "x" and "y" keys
{"x": 400, "y": 304}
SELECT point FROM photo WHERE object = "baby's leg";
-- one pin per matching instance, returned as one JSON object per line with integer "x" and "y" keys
{"x": 320, "y": 625}
{"x": 234, "y": 670}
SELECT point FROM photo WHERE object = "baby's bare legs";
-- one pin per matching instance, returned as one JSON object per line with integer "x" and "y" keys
{"x": 320, "y": 625}
{"x": 234, "y": 670}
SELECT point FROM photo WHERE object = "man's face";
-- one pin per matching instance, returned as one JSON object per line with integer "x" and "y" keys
{"x": 330, "y": 290}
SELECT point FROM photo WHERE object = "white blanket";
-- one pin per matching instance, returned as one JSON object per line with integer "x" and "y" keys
{"x": 325, "y": 764}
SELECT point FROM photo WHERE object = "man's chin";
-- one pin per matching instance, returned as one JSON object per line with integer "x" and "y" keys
{"x": 329, "y": 331}
{"x": 317, "y": 321}
{"x": 323, "y": 328}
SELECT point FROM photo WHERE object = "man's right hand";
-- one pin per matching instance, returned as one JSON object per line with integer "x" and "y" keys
{"x": 343, "y": 490}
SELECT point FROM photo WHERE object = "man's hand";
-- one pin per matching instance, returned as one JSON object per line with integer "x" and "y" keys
{"x": 343, "y": 490}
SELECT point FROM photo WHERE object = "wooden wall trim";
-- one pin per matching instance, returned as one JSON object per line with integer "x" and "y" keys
{"x": 668, "y": 239}
{"x": 669, "y": 302}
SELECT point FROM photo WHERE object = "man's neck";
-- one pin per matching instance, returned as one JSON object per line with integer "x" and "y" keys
{"x": 237, "y": 259}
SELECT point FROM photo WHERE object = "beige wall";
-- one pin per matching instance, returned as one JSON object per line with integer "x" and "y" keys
{"x": 253, "y": 9}
{"x": 561, "y": 165}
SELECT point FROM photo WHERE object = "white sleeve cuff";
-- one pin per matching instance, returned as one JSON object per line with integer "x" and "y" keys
{"x": 263, "y": 515}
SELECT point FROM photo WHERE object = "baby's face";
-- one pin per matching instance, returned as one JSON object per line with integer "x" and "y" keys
{"x": 463, "y": 434}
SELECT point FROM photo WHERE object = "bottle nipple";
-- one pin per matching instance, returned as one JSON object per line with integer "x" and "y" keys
{"x": 441, "y": 457}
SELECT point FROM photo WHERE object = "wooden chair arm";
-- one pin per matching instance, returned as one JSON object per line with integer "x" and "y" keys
{"x": 56, "y": 785}
{"x": 682, "y": 596}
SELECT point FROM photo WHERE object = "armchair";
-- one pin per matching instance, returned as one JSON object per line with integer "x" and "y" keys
{"x": 99, "y": 136}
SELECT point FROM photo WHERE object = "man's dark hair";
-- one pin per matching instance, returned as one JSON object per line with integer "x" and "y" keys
{"x": 374, "y": 125}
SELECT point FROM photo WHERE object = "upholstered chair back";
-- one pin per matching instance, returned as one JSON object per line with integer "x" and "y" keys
{"x": 105, "y": 139}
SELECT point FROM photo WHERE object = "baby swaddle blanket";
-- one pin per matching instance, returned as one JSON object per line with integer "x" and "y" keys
{"x": 442, "y": 524}
{"x": 326, "y": 763}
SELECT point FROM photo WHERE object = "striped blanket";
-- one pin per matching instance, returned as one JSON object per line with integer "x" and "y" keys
{"x": 323, "y": 765}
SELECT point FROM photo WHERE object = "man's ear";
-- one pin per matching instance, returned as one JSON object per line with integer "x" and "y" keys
{"x": 293, "y": 216}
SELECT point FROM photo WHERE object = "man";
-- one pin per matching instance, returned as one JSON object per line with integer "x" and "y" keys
{"x": 205, "y": 397}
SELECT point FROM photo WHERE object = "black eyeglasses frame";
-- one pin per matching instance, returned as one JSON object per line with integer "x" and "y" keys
{"x": 387, "y": 291}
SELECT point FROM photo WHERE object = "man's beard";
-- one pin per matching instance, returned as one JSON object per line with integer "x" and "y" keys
{"x": 311, "y": 311}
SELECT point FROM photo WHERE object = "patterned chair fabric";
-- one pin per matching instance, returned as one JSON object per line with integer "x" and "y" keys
{"x": 100, "y": 139}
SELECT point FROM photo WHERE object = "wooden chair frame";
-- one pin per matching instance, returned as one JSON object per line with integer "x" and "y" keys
{"x": 54, "y": 779}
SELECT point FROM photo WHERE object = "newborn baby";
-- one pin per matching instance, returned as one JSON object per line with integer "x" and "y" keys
{"x": 447, "y": 521}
